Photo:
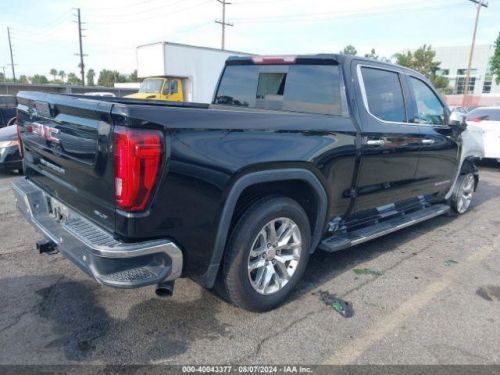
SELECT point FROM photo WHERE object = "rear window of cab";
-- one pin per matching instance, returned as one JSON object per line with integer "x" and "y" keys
{"x": 317, "y": 89}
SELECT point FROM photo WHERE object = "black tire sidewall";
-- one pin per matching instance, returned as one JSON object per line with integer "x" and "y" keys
{"x": 237, "y": 283}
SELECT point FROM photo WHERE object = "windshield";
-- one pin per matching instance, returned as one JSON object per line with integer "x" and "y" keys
{"x": 151, "y": 85}
{"x": 484, "y": 114}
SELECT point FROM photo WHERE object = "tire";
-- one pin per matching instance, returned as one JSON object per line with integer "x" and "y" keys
{"x": 260, "y": 289}
{"x": 463, "y": 192}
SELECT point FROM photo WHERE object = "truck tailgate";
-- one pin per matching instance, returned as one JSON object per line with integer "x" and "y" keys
{"x": 68, "y": 151}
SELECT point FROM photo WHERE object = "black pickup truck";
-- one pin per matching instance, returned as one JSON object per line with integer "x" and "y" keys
{"x": 294, "y": 154}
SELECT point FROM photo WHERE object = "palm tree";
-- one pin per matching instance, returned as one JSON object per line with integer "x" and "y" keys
{"x": 53, "y": 73}
{"x": 62, "y": 74}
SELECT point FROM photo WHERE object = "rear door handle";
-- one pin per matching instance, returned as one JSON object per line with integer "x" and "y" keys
{"x": 428, "y": 141}
{"x": 375, "y": 142}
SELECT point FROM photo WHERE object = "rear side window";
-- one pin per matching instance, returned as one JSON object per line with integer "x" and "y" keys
{"x": 295, "y": 88}
{"x": 384, "y": 94}
{"x": 429, "y": 109}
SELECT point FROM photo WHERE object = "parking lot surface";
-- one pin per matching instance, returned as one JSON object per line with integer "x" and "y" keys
{"x": 429, "y": 294}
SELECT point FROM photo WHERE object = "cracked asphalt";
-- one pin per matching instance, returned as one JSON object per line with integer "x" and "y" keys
{"x": 430, "y": 295}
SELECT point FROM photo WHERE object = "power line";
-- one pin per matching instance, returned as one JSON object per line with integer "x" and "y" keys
{"x": 11, "y": 56}
{"x": 122, "y": 6}
{"x": 223, "y": 23}
{"x": 47, "y": 27}
{"x": 325, "y": 16}
{"x": 480, "y": 4}
{"x": 133, "y": 14}
{"x": 120, "y": 20}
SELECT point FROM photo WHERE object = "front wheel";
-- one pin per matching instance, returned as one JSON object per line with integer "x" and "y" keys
{"x": 267, "y": 254}
{"x": 463, "y": 192}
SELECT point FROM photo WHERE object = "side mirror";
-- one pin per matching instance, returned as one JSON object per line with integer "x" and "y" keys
{"x": 460, "y": 125}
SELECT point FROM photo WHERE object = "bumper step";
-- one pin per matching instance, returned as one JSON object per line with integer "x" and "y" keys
{"x": 142, "y": 274}
{"x": 356, "y": 237}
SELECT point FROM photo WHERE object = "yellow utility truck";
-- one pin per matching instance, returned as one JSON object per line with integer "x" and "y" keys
{"x": 179, "y": 72}
{"x": 160, "y": 88}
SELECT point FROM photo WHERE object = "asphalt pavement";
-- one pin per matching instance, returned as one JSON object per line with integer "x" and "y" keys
{"x": 429, "y": 294}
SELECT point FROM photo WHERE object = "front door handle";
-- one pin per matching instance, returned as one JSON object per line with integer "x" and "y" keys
{"x": 375, "y": 142}
{"x": 428, "y": 141}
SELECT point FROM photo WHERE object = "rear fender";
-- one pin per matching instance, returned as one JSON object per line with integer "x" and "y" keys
{"x": 208, "y": 278}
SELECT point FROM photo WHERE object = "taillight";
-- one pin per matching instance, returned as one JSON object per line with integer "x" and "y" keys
{"x": 137, "y": 162}
{"x": 474, "y": 119}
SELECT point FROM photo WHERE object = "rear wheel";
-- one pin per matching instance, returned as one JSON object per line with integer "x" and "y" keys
{"x": 462, "y": 195}
{"x": 267, "y": 254}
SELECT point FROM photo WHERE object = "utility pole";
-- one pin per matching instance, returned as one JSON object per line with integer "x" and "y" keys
{"x": 223, "y": 23}
{"x": 81, "y": 65}
{"x": 11, "y": 56}
{"x": 480, "y": 4}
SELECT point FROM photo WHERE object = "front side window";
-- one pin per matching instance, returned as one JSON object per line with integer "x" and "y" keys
{"x": 170, "y": 87}
{"x": 429, "y": 109}
{"x": 384, "y": 94}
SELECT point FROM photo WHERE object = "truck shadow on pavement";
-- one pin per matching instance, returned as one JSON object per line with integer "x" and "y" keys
{"x": 6, "y": 175}
{"x": 155, "y": 329}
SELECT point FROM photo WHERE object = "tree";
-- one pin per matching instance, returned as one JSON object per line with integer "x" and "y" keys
{"x": 53, "y": 73}
{"x": 373, "y": 55}
{"x": 110, "y": 77}
{"x": 422, "y": 60}
{"x": 495, "y": 61}
{"x": 106, "y": 78}
{"x": 62, "y": 75}
{"x": 349, "y": 50}
{"x": 73, "y": 79}
{"x": 39, "y": 79}
{"x": 23, "y": 79}
{"x": 2, "y": 77}
{"x": 90, "y": 77}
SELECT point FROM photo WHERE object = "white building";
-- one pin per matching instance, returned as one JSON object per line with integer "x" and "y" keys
{"x": 454, "y": 62}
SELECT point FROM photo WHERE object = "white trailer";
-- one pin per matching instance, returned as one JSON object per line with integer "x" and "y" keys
{"x": 198, "y": 67}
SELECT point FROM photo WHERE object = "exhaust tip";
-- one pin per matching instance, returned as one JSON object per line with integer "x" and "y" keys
{"x": 165, "y": 289}
{"x": 46, "y": 246}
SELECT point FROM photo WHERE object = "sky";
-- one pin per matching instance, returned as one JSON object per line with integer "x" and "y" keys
{"x": 45, "y": 35}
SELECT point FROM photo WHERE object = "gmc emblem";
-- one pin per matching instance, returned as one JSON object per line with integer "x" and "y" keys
{"x": 45, "y": 131}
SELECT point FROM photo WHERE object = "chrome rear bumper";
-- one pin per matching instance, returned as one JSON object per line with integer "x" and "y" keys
{"x": 95, "y": 251}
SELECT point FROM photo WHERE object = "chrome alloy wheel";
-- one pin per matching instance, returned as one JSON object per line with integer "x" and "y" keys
{"x": 274, "y": 256}
{"x": 465, "y": 193}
